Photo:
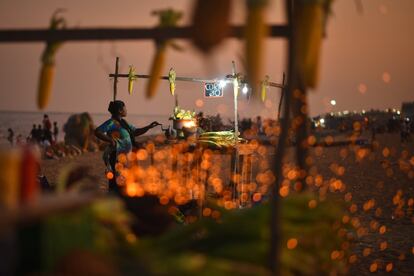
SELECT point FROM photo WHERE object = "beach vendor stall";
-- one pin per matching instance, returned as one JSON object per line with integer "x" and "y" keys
{"x": 196, "y": 146}
{"x": 212, "y": 88}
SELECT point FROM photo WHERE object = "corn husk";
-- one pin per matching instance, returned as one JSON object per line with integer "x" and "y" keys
{"x": 44, "y": 91}
{"x": 171, "y": 79}
{"x": 156, "y": 70}
{"x": 47, "y": 71}
{"x": 263, "y": 87}
{"x": 211, "y": 23}
{"x": 255, "y": 33}
{"x": 167, "y": 18}
{"x": 131, "y": 79}
{"x": 309, "y": 20}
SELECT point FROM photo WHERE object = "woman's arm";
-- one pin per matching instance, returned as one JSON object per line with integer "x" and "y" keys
{"x": 140, "y": 131}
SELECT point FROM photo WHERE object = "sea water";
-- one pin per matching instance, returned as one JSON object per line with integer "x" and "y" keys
{"x": 21, "y": 122}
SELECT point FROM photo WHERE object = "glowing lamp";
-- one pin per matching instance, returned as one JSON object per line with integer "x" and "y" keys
{"x": 245, "y": 89}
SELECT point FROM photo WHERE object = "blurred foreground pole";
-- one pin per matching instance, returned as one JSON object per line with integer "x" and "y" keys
{"x": 275, "y": 221}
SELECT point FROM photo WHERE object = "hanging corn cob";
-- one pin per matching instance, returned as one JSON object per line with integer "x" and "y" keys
{"x": 263, "y": 87}
{"x": 327, "y": 11}
{"x": 168, "y": 18}
{"x": 171, "y": 79}
{"x": 255, "y": 33}
{"x": 309, "y": 19}
{"x": 131, "y": 79}
{"x": 211, "y": 23}
{"x": 47, "y": 71}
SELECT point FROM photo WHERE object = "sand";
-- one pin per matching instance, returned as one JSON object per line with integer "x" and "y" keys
{"x": 92, "y": 160}
{"x": 377, "y": 177}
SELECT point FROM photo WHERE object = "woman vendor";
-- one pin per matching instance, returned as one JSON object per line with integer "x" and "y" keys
{"x": 120, "y": 135}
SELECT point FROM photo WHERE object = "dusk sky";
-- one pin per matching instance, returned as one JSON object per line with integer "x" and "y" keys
{"x": 367, "y": 59}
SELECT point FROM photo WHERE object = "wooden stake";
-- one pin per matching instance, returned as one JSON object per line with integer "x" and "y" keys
{"x": 281, "y": 97}
{"x": 116, "y": 77}
{"x": 275, "y": 221}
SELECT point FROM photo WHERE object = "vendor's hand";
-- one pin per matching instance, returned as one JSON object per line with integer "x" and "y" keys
{"x": 154, "y": 124}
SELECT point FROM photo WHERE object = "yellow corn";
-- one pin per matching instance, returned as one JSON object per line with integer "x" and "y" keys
{"x": 167, "y": 18}
{"x": 263, "y": 86}
{"x": 45, "y": 84}
{"x": 172, "y": 88}
{"x": 156, "y": 69}
{"x": 131, "y": 79}
{"x": 256, "y": 31}
{"x": 171, "y": 79}
{"x": 47, "y": 71}
{"x": 130, "y": 86}
{"x": 211, "y": 23}
{"x": 263, "y": 94}
{"x": 308, "y": 21}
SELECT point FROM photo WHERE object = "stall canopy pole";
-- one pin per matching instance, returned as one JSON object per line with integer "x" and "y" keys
{"x": 235, "y": 92}
{"x": 116, "y": 77}
{"x": 236, "y": 131}
{"x": 281, "y": 97}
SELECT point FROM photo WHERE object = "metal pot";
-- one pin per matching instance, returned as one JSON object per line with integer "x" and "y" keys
{"x": 184, "y": 123}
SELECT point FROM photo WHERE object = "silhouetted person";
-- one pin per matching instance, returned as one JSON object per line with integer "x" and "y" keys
{"x": 119, "y": 134}
{"x": 47, "y": 129}
{"x": 55, "y": 131}
{"x": 10, "y": 137}
{"x": 34, "y": 134}
{"x": 405, "y": 131}
{"x": 259, "y": 124}
{"x": 40, "y": 135}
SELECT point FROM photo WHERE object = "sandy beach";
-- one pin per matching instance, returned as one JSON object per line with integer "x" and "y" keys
{"x": 381, "y": 185}
{"x": 91, "y": 160}
{"x": 381, "y": 179}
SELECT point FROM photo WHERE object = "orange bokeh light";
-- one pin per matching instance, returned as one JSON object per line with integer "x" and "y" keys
{"x": 292, "y": 243}
{"x": 373, "y": 267}
{"x": 199, "y": 103}
{"x": 312, "y": 203}
{"x": 362, "y": 88}
{"x": 257, "y": 197}
{"x": 389, "y": 267}
{"x": 109, "y": 175}
{"x": 386, "y": 77}
{"x": 207, "y": 212}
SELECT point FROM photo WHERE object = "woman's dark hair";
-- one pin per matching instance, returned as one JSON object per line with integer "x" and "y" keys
{"x": 115, "y": 107}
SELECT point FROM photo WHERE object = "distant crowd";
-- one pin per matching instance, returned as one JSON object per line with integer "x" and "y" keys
{"x": 44, "y": 134}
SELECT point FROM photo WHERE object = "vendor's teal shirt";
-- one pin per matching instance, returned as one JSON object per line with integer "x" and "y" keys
{"x": 114, "y": 129}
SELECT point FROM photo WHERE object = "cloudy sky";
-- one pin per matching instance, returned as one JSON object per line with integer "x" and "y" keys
{"x": 367, "y": 59}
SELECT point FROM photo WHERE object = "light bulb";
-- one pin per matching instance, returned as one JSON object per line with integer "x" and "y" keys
{"x": 245, "y": 89}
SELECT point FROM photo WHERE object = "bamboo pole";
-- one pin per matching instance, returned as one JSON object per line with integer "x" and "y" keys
{"x": 301, "y": 127}
{"x": 275, "y": 231}
{"x": 94, "y": 34}
{"x": 189, "y": 79}
{"x": 281, "y": 97}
